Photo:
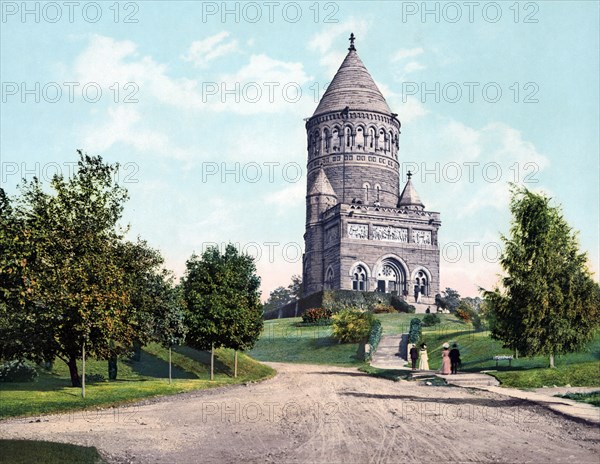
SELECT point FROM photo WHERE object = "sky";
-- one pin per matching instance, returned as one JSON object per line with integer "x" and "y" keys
{"x": 203, "y": 105}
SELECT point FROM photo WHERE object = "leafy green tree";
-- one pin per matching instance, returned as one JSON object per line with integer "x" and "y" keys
{"x": 222, "y": 295}
{"x": 73, "y": 293}
{"x": 449, "y": 299}
{"x": 548, "y": 303}
{"x": 284, "y": 295}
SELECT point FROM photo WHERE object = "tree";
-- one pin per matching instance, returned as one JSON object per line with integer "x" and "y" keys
{"x": 284, "y": 295}
{"x": 449, "y": 299}
{"x": 72, "y": 293}
{"x": 223, "y": 301}
{"x": 548, "y": 303}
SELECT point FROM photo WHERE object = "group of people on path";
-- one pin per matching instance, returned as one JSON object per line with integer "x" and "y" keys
{"x": 450, "y": 358}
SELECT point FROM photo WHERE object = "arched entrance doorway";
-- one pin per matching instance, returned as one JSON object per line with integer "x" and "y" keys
{"x": 391, "y": 277}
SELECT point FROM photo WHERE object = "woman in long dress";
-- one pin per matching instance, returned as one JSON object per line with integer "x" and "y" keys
{"x": 446, "y": 368}
{"x": 423, "y": 358}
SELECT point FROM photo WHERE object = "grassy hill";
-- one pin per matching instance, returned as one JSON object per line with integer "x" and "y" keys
{"x": 284, "y": 341}
{"x": 51, "y": 392}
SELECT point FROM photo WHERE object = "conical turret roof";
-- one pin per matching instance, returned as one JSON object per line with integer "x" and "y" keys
{"x": 321, "y": 185}
{"x": 409, "y": 196}
{"x": 353, "y": 87}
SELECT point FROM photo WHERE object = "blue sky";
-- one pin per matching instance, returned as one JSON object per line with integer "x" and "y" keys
{"x": 204, "y": 110}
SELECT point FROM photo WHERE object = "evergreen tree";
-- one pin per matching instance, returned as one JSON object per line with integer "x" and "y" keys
{"x": 548, "y": 304}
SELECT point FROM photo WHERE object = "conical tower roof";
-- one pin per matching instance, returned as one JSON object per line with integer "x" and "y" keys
{"x": 353, "y": 87}
{"x": 321, "y": 185}
{"x": 409, "y": 196}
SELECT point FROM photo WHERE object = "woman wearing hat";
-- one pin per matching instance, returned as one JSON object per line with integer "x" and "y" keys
{"x": 446, "y": 368}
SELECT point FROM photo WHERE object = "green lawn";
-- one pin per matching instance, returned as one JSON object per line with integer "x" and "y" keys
{"x": 45, "y": 452}
{"x": 282, "y": 341}
{"x": 478, "y": 349}
{"x": 591, "y": 397}
{"x": 51, "y": 392}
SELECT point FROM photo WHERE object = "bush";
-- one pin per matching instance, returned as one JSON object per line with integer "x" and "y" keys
{"x": 374, "y": 338}
{"x": 381, "y": 308}
{"x": 352, "y": 326}
{"x": 414, "y": 331}
{"x": 400, "y": 305}
{"x": 90, "y": 378}
{"x": 17, "y": 371}
{"x": 411, "y": 309}
{"x": 315, "y": 315}
{"x": 464, "y": 314}
{"x": 431, "y": 319}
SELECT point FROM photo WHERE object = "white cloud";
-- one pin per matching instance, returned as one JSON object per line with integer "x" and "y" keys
{"x": 407, "y": 53}
{"x": 413, "y": 66}
{"x": 282, "y": 199}
{"x": 202, "y": 52}
{"x": 333, "y": 37}
{"x": 121, "y": 126}
{"x": 247, "y": 90}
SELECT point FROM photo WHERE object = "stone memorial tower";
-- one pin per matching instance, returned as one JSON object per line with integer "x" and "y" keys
{"x": 362, "y": 233}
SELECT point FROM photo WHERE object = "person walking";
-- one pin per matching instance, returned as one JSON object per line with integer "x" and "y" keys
{"x": 414, "y": 355}
{"x": 445, "y": 370}
{"x": 423, "y": 359}
{"x": 454, "y": 358}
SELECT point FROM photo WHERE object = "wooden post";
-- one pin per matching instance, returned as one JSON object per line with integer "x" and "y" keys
{"x": 235, "y": 364}
{"x": 83, "y": 373}
{"x": 212, "y": 361}
{"x": 169, "y": 363}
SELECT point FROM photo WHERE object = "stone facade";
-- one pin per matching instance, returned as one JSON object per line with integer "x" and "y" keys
{"x": 361, "y": 232}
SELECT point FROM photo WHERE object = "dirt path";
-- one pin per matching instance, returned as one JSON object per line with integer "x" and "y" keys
{"x": 323, "y": 414}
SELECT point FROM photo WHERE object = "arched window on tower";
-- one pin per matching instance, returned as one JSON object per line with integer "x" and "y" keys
{"x": 381, "y": 140}
{"x": 366, "y": 188}
{"x": 372, "y": 138}
{"x": 348, "y": 136}
{"x": 377, "y": 191}
{"x": 327, "y": 137}
{"x": 335, "y": 139}
{"x": 360, "y": 138}
{"x": 359, "y": 279}
{"x": 329, "y": 279}
{"x": 390, "y": 142}
{"x": 422, "y": 284}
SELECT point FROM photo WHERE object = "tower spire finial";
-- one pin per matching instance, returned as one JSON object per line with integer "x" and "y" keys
{"x": 351, "y": 39}
{"x": 409, "y": 175}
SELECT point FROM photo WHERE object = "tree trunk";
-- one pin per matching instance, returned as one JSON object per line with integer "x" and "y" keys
{"x": 212, "y": 362}
{"x": 235, "y": 364}
{"x": 83, "y": 373}
{"x": 552, "y": 361}
{"x": 516, "y": 353}
{"x": 112, "y": 368}
{"x": 169, "y": 363}
{"x": 75, "y": 380}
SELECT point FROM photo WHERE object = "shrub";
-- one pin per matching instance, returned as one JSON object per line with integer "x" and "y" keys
{"x": 315, "y": 315}
{"x": 400, "y": 305}
{"x": 89, "y": 378}
{"x": 464, "y": 314}
{"x": 17, "y": 371}
{"x": 411, "y": 309}
{"x": 431, "y": 319}
{"x": 374, "y": 338}
{"x": 352, "y": 326}
{"x": 381, "y": 308}
{"x": 414, "y": 331}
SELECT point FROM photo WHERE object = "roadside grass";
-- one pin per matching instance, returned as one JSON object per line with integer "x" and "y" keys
{"x": 52, "y": 393}
{"x": 283, "y": 341}
{"x": 478, "y": 349}
{"x": 576, "y": 374}
{"x": 590, "y": 398}
{"x": 46, "y": 452}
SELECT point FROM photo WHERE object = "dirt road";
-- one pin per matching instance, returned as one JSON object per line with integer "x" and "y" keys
{"x": 323, "y": 414}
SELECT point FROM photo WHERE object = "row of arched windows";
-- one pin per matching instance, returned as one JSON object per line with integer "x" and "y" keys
{"x": 368, "y": 139}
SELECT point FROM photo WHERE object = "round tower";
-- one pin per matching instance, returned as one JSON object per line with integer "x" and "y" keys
{"x": 353, "y": 137}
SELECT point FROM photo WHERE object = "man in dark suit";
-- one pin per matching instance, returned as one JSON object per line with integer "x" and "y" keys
{"x": 454, "y": 358}
{"x": 414, "y": 355}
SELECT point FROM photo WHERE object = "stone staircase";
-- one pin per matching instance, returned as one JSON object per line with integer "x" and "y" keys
{"x": 391, "y": 352}
{"x": 468, "y": 379}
